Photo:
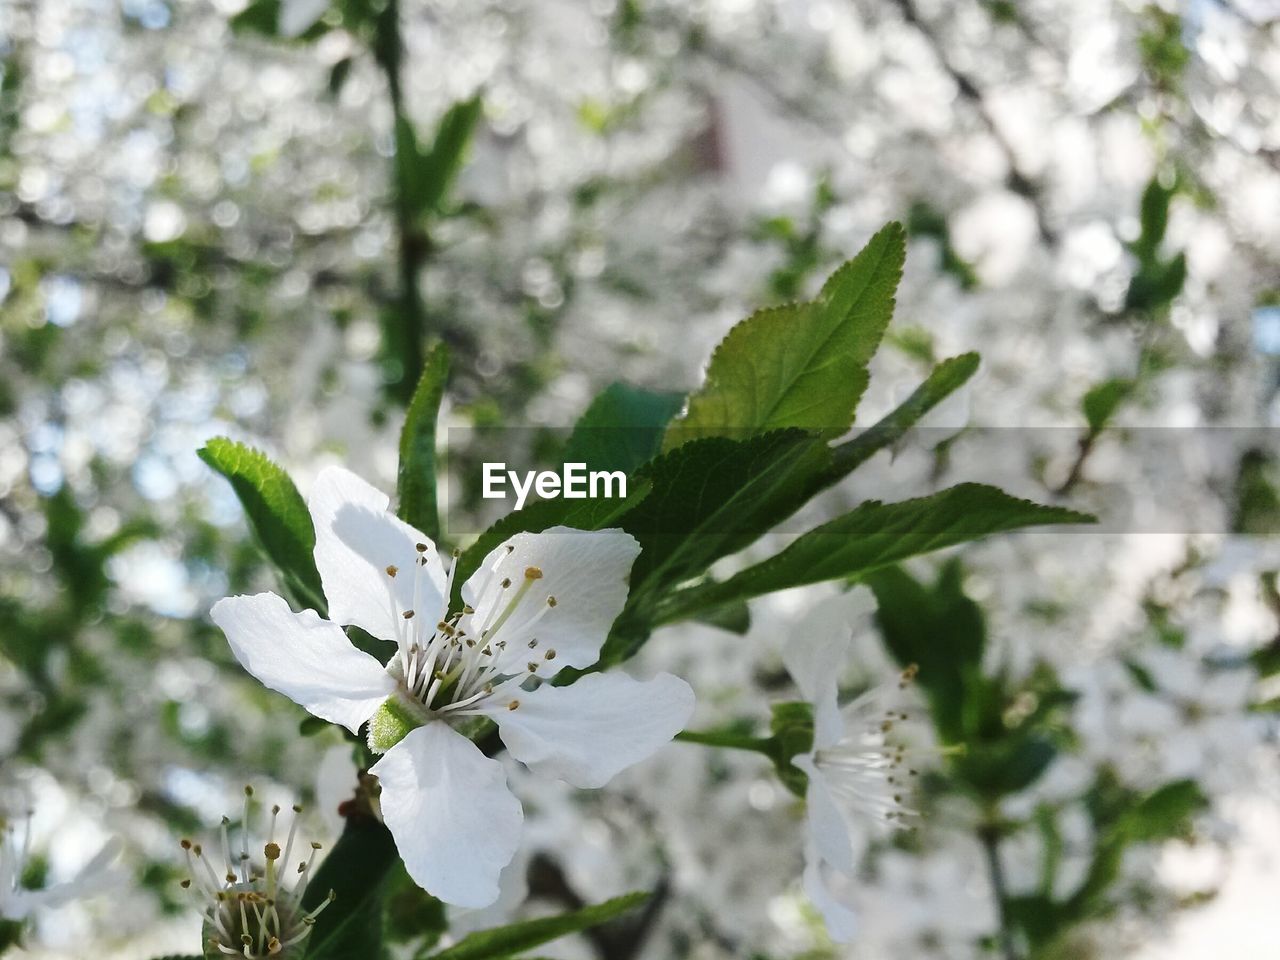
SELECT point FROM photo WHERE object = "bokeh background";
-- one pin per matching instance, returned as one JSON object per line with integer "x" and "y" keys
{"x": 214, "y": 220}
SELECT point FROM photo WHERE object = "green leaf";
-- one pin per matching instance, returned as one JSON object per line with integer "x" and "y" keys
{"x": 426, "y": 176}
{"x": 622, "y": 429}
{"x": 1163, "y": 814}
{"x": 1157, "y": 284}
{"x": 734, "y": 617}
{"x": 355, "y": 870}
{"x": 416, "y": 486}
{"x": 1102, "y": 401}
{"x": 263, "y": 17}
{"x": 277, "y": 513}
{"x": 502, "y": 942}
{"x": 876, "y": 535}
{"x": 801, "y": 365}
{"x": 714, "y": 496}
{"x": 946, "y": 378}
{"x": 940, "y": 630}
{"x": 1153, "y": 217}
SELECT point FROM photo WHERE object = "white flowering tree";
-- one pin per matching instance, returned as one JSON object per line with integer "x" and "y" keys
{"x": 401, "y": 239}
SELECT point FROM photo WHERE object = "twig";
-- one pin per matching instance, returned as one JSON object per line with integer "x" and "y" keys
{"x": 1015, "y": 180}
{"x": 989, "y": 834}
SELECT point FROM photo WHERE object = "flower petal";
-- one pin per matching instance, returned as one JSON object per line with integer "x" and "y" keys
{"x": 93, "y": 877}
{"x": 828, "y": 830}
{"x": 584, "y": 571}
{"x": 841, "y": 921}
{"x": 455, "y": 823}
{"x": 602, "y": 724}
{"x": 356, "y": 541}
{"x": 308, "y": 659}
{"x": 816, "y": 654}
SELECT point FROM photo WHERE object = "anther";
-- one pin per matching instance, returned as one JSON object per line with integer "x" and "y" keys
{"x": 271, "y": 851}
{"x": 408, "y": 614}
{"x": 533, "y": 643}
{"x": 421, "y": 547}
{"x": 551, "y": 601}
{"x": 532, "y": 573}
{"x": 392, "y": 570}
{"x": 550, "y": 655}
{"x": 533, "y": 667}
{"x": 514, "y": 704}
{"x": 506, "y": 582}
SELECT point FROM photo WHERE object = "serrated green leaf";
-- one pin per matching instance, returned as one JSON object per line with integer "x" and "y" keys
{"x": 622, "y": 429}
{"x": 416, "y": 481}
{"x": 503, "y": 942}
{"x": 801, "y": 365}
{"x": 876, "y": 535}
{"x": 714, "y": 496}
{"x": 355, "y": 870}
{"x": 277, "y": 514}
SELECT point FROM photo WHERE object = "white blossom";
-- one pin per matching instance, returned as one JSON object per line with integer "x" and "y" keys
{"x": 249, "y": 911}
{"x": 17, "y": 903}
{"x": 538, "y": 602}
{"x": 859, "y": 777}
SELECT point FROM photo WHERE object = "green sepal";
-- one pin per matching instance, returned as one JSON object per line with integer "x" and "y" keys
{"x": 792, "y": 728}
{"x": 10, "y": 933}
{"x": 391, "y": 723}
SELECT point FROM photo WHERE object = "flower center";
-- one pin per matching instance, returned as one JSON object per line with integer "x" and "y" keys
{"x": 870, "y": 770}
{"x": 447, "y": 668}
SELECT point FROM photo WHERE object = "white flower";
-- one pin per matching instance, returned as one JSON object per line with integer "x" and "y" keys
{"x": 538, "y": 602}
{"x": 18, "y": 903}
{"x": 248, "y": 911}
{"x": 859, "y": 778}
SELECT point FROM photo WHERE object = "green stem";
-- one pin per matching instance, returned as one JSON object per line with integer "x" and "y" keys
{"x": 730, "y": 741}
{"x": 404, "y": 334}
{"x": 989, "y": 834}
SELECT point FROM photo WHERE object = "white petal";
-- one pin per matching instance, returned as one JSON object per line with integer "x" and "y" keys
{"x": 308, "y": 659}
{"x": 585, "y": 571}
{"x": 357, "y": 539}
{"x": 841, "y": 921}
{"x": 828, "y": 829}
{"x": 455, "y": 823}
{"x": 816, "y": 654}
{"x": 94, "y": 877}
{"x": 602, "y": 724}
